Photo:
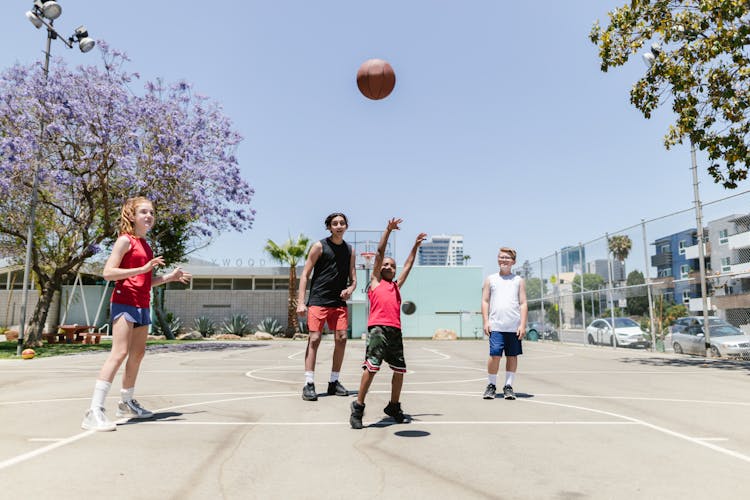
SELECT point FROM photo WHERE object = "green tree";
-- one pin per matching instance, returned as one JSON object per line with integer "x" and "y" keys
{"x": 590, "y": 282}
{"x": 699, "y": 63}
{"x": 637, "y": 296}
{"x": 620, "y": 246}
{"x": 290, "y": 252}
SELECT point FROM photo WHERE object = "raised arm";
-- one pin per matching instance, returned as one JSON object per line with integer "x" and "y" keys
{"x": 380, "y": 254}
{"x": 410, "y": 259}
{"x": 312, "y": 257}
{"x": 112, "y": 269}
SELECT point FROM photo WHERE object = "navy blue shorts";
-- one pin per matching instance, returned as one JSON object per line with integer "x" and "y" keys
{"x": 139, "y": 316}
{"x": 505, "y": 341}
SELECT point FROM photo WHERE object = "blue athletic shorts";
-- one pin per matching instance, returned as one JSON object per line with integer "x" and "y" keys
{"x": 139, "y": 316}
{"x": 505, "y": 341}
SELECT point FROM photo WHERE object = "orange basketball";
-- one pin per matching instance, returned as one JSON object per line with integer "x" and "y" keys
{"x": 376, "y": 79}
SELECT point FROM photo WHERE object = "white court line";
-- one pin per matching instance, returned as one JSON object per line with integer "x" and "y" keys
{"x": 663, "y": 430}
{"x": 420, "y": 423}
{"x": 45, "y": 449}
{"x": 637, "y": 398}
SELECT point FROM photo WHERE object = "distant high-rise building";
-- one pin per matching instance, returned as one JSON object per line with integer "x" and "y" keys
{"x": 442, "y": 250}
{"x": 570, "y": 259}
{"x": 599, "y": 266}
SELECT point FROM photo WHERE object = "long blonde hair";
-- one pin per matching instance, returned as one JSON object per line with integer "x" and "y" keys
{"x": 127, "y": 215}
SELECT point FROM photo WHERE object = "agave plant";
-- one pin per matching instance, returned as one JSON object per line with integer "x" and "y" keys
{"x": 237, "y": 324}
{"x": 173, "y": 322}
{"x": 205, "y": 325}
{"x": 270, "y": 325}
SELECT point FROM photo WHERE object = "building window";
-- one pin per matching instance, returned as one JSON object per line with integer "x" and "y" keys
{"x": 264, "y": 283}
{"x": 681, "y": 246}
{"x": 723, "y": 237}
{"x": 725, "y": 264}
{"x": 202, "y": 284}
{"x": 222, "y": 284}
{"x": 242, "y": 284}
{"x": 665, "y": 249}
{"x": 684, "y": 270}
{"x": 281, "y": 284}
{"x": 686, "y": 297}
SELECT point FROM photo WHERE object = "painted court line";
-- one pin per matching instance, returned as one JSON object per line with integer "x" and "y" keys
{"x": 414, "y": 422}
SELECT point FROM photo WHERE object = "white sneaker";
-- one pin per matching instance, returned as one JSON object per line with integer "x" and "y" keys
{"x": 132, "y": 409}
{"x": 96, "y": 420}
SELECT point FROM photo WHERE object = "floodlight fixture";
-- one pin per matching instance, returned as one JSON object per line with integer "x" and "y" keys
{"x": 34, "y": 19}
{"x": 48, "y": 8}
{"x": 82, "y": 37}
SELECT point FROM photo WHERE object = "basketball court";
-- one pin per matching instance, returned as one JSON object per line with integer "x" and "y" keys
{"x": 589, "y": 422}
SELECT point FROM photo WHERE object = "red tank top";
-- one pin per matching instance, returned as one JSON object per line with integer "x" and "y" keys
{"x": 136, "y": 290}
{"x": 385, "y": 305}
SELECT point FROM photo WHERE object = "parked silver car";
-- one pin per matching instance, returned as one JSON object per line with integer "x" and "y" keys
{"x": 726, "y": 340}
{"x": 628, "y": 333}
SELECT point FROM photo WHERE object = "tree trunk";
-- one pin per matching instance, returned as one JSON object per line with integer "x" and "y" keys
{"x": 161, "y": 316}
{"x": 292, "y": 320}
{"x": 39, "y": 317}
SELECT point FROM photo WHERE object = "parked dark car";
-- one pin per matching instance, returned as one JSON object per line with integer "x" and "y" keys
{"x": 537, "y": 331}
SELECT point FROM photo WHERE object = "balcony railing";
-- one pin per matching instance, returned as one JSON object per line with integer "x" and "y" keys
{"x": 740, "y": 240}
{"x": 692, "y": 252}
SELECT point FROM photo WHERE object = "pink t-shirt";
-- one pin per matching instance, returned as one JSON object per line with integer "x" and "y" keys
{"x": 385, "y": 305}
{"x": 136, "y": 290}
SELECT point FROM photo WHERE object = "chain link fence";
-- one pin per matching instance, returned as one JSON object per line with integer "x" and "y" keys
{"x": 646, "y": 281}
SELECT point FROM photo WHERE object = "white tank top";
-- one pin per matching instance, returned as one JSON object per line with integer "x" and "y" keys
{"x": 505, "y": 310}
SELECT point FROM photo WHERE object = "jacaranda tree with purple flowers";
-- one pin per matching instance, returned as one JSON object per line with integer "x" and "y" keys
{"x": 98, "y": 139}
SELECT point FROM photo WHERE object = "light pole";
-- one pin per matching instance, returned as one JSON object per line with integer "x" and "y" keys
{"x": 43, "y": 13}
{"x": 650, "y": 58}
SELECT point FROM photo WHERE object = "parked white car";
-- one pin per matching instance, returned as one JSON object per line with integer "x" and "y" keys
{"x": 628, "y": 333}
{"x": 726, "y": 340}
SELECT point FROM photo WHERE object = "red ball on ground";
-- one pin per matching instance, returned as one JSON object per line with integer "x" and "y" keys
{"x": 376, "y": 79}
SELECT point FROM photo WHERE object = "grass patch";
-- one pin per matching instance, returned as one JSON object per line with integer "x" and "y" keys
{"x": 8, "y": 349}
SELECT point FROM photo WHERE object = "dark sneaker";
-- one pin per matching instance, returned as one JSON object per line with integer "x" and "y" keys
{"x": 358, "y": 411}
{"x": 394, "y": 410}
{"x": 508, "y": 392}
{"x": 489, "y": 392}
{"x": 308, "y": 392}
{"x": 335, "y": 388}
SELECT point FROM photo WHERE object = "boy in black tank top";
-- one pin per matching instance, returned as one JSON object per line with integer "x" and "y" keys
{"x": 331, "y": 263}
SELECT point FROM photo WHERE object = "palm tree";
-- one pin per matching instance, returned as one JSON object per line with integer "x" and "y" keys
{"x": 620, "y": 246}
{"x": 291, "y": 252}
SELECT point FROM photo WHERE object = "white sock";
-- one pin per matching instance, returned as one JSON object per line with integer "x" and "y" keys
{"x": 492, "y": 379}
{"x": 509, "y": 376}
{"x": 126, "y": 394}
{"x": 101, "y": 389}
{"x": 309, "y": 377}
{"x": 334, "y": 376}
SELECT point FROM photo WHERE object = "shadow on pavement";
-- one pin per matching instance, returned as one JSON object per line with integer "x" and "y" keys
{"x": 691, "y": 362}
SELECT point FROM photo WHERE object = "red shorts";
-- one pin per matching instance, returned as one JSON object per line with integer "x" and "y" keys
{"x": 337, "y": 318}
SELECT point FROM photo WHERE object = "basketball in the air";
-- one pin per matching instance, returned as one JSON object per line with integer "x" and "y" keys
{"x": 376, "y": 79}
{"x": 28, "y": 353}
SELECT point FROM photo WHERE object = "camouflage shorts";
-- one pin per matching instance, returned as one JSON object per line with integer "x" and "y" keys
{"x": 384, "y": 343}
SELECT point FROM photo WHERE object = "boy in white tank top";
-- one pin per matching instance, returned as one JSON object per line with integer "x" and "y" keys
{"x": 504, "y": 312}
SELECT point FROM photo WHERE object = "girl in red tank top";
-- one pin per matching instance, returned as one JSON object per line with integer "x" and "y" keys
{"x": 131, "y": 266}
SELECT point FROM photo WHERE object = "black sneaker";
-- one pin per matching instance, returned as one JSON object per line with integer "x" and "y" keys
{"x": 394, "y": 410}
{"x": 489, "y": 392}
{"x": 335, "y": 388}
{"x": 308, "y": 392}
{"x": 358, "y": 411}
{"x": 508, "y": 392}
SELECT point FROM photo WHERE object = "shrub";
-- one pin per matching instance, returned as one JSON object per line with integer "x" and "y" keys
{"x": 237, "y": 324}
{"x": 270, "y": 325}
{"x": 174, "y": 323}
{"x": 205, "y": 325}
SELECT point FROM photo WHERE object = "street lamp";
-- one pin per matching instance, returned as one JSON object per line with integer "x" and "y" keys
{"x": 44, "y": 13}
{"x": 650, "y": 58}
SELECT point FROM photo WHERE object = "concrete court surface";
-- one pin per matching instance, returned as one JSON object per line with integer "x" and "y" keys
{"x": 590, "y": 422}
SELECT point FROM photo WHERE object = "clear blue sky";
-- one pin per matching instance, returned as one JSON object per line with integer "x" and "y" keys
{"x": 501, "y": 126}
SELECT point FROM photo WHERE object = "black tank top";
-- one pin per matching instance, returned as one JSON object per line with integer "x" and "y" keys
{"x": 330, "y": 275}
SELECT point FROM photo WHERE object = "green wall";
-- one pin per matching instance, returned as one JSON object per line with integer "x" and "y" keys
{"x": 446, "y": 297}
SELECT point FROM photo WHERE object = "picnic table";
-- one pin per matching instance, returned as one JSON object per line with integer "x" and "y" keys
{"x": 74, "y": 334}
